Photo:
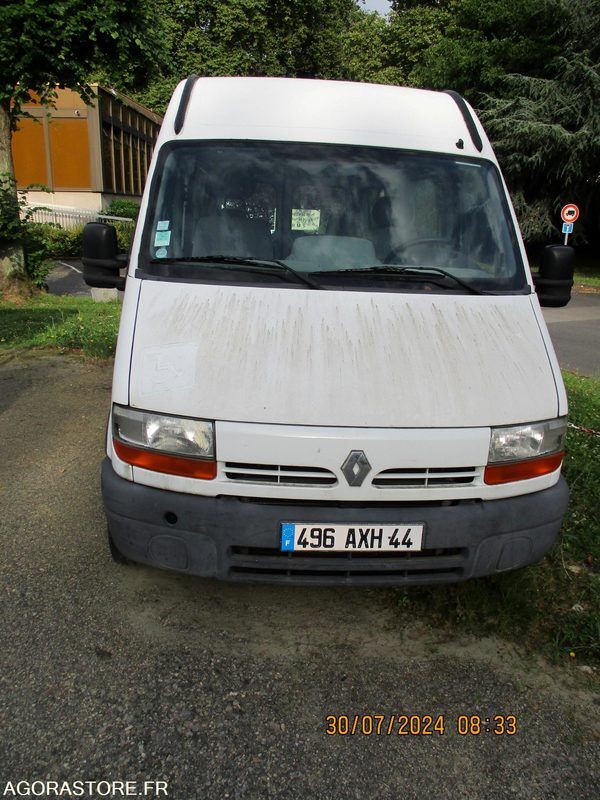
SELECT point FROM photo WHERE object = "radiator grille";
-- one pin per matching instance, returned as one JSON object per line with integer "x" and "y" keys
{"x": 274, "y": 474}
{"x": 426, "y": 476}
{"x": 411, "y": 477}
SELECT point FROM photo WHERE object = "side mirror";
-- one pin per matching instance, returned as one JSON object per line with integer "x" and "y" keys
{"x": 554, "y": 280}
{"x": 101, "y": 260}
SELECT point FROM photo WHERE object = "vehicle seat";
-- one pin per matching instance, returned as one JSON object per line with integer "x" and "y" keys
{"x": 232, "y": 235}
{"x": 478, "y": 237}
{"x": 331, "y": 252}
{"x": 381, "y": 216}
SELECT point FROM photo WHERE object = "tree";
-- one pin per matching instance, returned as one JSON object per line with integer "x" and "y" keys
{"x": 50, "y": 44}
{"x": 547, "y": 129}
{"x": 249, "y": 37}
{"x": 484, "y": 40}
{"x": 366, "y": 54}
{"x": 414, "y": 29}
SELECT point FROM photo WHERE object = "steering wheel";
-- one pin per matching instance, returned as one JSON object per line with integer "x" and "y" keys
{"x": 395, "y": 252}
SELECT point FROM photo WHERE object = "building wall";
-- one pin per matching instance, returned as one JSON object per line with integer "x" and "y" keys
{"x": 93, "y": 201}
{"x": 77, "y": 150}
{"x": 53, "y": 147}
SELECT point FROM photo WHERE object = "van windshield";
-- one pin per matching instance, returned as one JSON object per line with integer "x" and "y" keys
{"x": 347, "y": 215}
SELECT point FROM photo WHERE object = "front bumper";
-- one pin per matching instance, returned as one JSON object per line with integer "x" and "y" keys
{"x": 238, "y": 538}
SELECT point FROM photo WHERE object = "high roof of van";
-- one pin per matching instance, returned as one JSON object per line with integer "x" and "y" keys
{"x": 294, "y": 109}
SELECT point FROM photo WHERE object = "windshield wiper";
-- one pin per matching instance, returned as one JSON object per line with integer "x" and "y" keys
{"x": 395, "y": 269}
{"x": 250, "y": 264}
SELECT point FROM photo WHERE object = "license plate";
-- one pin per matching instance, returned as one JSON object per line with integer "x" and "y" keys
{"x": 313, "y": 537}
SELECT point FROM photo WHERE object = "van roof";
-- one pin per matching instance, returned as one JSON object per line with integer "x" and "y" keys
{"x": 294, "y": 109}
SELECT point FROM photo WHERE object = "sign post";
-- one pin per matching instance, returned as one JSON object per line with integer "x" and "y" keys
{"x": 569, "y": 214}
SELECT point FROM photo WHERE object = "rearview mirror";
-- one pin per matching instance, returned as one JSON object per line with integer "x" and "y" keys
{"x": 101, "y": 260}
{"x": 554, "y": 280}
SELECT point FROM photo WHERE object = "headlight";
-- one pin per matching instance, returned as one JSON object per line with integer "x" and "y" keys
{"x": 174, "y": 445}
{"x": 520, "y": 452}
{"x": 527, "y": 441}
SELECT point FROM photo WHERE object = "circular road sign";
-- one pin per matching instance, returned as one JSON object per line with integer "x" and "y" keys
{"x": 569, "y": 213}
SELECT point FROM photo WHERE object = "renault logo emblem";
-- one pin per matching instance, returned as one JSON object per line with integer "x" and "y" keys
{"x": 356, "y": 467}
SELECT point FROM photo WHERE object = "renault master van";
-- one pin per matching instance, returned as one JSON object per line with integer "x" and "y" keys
{"x": 332, "y": 367}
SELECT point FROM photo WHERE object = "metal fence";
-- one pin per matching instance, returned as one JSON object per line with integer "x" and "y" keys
{"x": 69, "y": 217}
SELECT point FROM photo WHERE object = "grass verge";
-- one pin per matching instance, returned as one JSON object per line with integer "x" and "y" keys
{"x": 66, "y": 323}
{"x": 554, "y": 606}
{"x": 586, "y": 279}
{"x": 587, "y": 268}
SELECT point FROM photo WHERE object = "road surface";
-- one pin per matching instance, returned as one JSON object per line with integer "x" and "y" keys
{"x": 575, "y": 333}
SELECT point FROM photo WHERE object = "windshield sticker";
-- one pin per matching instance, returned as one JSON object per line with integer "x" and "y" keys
{"x": 163, "y": 225}
{"x": 161, "y": 252}
{"x": 306, "y": 219}
{"x": 162, "y": 238}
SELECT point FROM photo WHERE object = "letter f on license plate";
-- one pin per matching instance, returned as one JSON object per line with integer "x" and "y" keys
{"x": 317, "y": 536}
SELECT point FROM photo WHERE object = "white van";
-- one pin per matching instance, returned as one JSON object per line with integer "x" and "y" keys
{"x": 332, "y": 366}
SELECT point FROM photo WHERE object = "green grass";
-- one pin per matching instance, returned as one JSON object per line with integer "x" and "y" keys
{"x": 586, "y": 278}
{"x": 66, "y": 323}
{"x": 553, "y": 606}
{"x": 587, "y": 268}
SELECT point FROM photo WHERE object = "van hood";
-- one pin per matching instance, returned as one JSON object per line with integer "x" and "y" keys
{"x": 339, "y": 358}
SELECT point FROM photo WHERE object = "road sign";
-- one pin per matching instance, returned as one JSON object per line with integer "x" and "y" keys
{"x": 569, "y": 213}
{"x": 567, "y": 227}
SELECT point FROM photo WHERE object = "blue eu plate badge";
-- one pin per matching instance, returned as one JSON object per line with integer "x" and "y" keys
{"x": 287, "y": 536}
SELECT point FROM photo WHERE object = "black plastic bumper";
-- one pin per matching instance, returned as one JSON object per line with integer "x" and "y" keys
{"x": 238, "y": 538}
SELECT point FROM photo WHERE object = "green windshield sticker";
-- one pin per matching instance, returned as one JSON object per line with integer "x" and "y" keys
{"x": 162, "y": 238}
{"x": 306, "y": 219}
{"x": 163, "y": 225}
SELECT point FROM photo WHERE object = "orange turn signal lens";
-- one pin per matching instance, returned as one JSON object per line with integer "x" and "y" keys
{"x": 163, "y": 462}
{"x": 522, "y": 470}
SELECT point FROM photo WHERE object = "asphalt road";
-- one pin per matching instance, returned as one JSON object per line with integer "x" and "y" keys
{"x": 575, "y": 333}
{"x": 67, "y": 278}
{"x": 125, "y": 673}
